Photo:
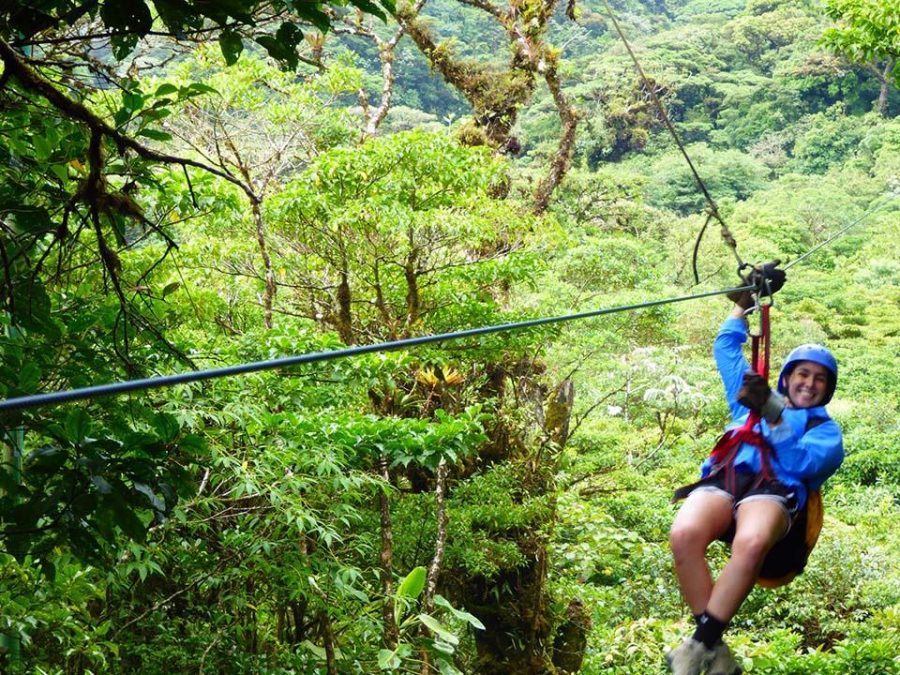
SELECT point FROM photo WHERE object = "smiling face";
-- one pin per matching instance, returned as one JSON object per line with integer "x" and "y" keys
{"x": 807, "y": 384}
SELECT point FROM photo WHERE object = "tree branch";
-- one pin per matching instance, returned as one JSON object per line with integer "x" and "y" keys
{"x": 35, "y": 83}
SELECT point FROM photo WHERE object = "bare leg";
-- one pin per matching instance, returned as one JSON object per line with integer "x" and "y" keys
{"x": 703, "y": 518}
{"x": 760, "y": 524}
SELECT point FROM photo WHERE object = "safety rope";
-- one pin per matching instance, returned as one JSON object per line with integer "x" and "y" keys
{"x": 54, "y": 398}
{"x": 65, "y": 396}
{"x": 713, "y": 209}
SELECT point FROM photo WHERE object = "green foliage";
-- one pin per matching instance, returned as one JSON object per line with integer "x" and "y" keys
{"x": 90, "y": 472}
{"x": 54, "y": 620}
{"x": 393, "y": 222}
{"x": 866, "y": 32}
{"x": 765, "y": 28}
{"x": 245, "y": 551}
{"x": 825, "y": 140}
{"x": 606, "y": 200}
{"x": 795, "y": 213}
{"x": 717, "y": 8}
{"x": 746, "y": 115}
{"x": 491, "y": 507}
{"x": 614, "y": 263}
{"x": 728, "y": 175}
{"x": 129, "y": 22}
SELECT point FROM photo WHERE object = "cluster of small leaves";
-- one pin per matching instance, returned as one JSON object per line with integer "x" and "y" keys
{"x": 87, "y": 482}
{"x": 129, "y": 21}
{"x": 865, "y": 31}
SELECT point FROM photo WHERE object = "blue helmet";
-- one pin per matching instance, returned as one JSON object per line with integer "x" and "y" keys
{"x": 816, "y": 354}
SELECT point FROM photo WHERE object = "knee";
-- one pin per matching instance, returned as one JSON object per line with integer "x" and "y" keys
{"x": 687, "y": 539}
{"x": 751, "y": 548}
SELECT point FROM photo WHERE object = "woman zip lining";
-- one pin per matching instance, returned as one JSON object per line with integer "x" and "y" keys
{"x": 759, "y": 487}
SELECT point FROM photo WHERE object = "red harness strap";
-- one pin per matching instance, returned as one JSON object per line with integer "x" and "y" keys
{"x": 761, "y": 362}
{"x": 731, "y": 440}
{"x": 724, "y": 452}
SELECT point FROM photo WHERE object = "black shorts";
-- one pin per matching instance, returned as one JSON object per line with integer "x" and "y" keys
{"x": 750, "y": 487}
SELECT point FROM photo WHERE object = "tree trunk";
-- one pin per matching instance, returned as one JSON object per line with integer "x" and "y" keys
{"x": 387, "y": 560}
{"x": 571, "y": 638}
{"x": 515, "y": 605}
{"x": 517, "y": 619}
{"x": 298, "y": 614}
{"x": 412, "y": 289}
{"x": 271, "y": 288}
{"x": 563, "y": 158}
{"x": 494, "y": 94}
{"x": 344, "y": 315}
{"x": 440, "y": 542}
{"x": 328, "y": 639}
{"x": 885, "y": 79}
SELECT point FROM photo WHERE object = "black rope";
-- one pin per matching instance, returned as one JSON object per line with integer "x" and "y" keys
{"x": 697, "y": 248}
{"x": 711, "y": 203}
{"x": 57, "y": 397}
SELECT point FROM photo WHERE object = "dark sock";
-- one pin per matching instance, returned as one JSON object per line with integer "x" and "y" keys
{"x": 697, "y": 618}
{"x": 709, "y": 630}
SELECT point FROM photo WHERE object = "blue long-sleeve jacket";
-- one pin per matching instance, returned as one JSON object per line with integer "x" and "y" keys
{"x": 802, "y": 459}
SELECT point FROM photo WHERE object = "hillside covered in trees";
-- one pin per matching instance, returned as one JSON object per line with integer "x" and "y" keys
{"x": 188, "y": 186}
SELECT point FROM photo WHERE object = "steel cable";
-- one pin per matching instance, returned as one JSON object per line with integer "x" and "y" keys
{"x": 65, "y": 396}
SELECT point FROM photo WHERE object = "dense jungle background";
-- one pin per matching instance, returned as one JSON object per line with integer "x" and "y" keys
{"x": 191, "y": 185}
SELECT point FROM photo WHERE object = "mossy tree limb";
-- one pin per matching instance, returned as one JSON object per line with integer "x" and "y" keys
{"x": 496, "y": 95}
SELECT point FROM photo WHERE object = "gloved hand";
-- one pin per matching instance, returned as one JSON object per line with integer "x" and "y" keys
{"x": 756, "y": 394}
{"x": 757, "y": 277}
{"x": 768, "y": 271}
{"x": 742, "y": 299}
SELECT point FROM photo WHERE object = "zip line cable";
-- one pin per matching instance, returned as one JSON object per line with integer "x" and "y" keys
{"x": 65, "y": 396}
{"x": 57, "y": 397}
{"x": 713, "y": 207}
{"x": 871, "y": 211}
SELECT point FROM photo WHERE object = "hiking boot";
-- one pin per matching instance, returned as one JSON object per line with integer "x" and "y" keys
{"x": 689, "y": 658}
{"x": 723, "y": 662}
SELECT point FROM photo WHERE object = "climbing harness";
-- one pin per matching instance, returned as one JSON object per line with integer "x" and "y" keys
{"x": 729, "y": 443}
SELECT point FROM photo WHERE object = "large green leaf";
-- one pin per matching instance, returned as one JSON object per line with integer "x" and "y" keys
{"x": 413, "y": 584}
{"x": 127, "y": 16}
{"x": 47, "y": 458}
{"x": 123, "y": 45}
{"x": 283, "y": 45}
{"x": 25, "y": 218}
{"x": 312, "y": 12}
{"x": 123, "y": 515}
{"x": 374, "y": 9}
{"x": 29, "y": 377}
{"x": 77, "y": 425}
{"x": 439, "y": 629}
{"x": 231, "y": 45}
{"x": 166, "y": 426}
{"x": 178, "y": 14}
{"x": 471, "y": 619}
{"x": 388, "y": 660}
